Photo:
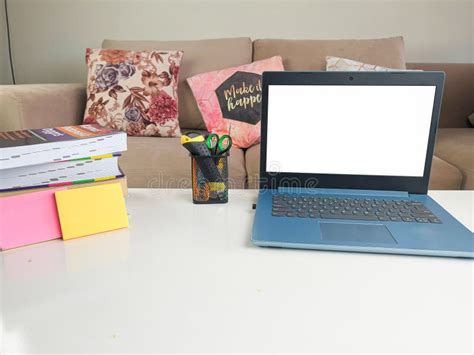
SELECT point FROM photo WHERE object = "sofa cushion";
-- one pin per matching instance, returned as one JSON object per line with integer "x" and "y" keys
{"x": 444, "y": 176}
{"x": 456, "y": 146}
{"x": 164, "y": 163}
{"x": 311, "y": 54}
{"x": 199, "y": 57}
{"x": 252, "y": 165}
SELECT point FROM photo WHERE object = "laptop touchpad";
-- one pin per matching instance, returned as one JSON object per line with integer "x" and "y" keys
{"x": 360, "y": 233}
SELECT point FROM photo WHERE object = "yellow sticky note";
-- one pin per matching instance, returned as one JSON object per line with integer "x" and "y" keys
{"x": 91, "y": 210}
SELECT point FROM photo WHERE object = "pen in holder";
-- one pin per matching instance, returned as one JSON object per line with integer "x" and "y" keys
{"x": 210, "y": 187}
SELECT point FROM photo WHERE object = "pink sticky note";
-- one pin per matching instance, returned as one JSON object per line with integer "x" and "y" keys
{"x": 28, "y": 218}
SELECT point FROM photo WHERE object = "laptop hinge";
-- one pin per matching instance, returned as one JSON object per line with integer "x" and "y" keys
{"x": 354, "y": 192}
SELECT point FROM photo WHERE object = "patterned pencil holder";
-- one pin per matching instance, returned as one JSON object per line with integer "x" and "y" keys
{"x": 210, "y": 178}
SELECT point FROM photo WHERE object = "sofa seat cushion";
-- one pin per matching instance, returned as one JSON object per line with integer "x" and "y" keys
{"x": 444, "y": 176}
{"x": 456, "y": 146}
{"x": 164, "y": 163}
{"x": 252, "y": 165}
{"x": 200, "y": 56}
{"x": 311, "y": 54}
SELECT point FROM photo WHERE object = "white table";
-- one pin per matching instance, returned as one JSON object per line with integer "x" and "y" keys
{"x": 186, "y": 278}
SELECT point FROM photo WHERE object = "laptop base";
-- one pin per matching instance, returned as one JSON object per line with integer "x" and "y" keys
{"x": 448, "y": 239}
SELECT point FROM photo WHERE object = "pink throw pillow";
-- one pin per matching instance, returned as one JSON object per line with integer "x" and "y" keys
{"x": 231, "y": 98}
{"x": 133, "y": 91}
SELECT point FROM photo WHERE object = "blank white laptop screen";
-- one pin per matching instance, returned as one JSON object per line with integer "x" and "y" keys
{"x": 350, "y": 130}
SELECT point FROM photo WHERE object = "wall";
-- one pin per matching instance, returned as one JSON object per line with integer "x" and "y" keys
{"x": 49, "y": 36}
{"x": 5, "y": 73}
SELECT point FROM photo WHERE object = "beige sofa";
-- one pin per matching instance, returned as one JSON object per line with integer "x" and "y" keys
{"x": 161, "y": 162}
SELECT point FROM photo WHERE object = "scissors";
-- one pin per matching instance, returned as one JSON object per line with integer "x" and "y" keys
{"x": 211, "y": 142}
{"x": 218, "y": 145}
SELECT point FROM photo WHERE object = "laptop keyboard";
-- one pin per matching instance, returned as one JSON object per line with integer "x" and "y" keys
{"x": 363, "y": 209}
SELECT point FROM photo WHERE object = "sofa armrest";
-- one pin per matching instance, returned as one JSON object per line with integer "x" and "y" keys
{"x": 41, "y": 105}
{"x": 458, "y": 98}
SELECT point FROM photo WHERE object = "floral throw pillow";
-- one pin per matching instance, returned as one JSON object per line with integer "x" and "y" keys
{"x": 133, "y": 91}
{"x": 230, "y": 99}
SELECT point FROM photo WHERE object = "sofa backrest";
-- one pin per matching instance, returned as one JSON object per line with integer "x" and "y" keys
{"x": 311, "y": 54}
{"x": 200, "y": 56}
{"x": 458, "y": 98}
{"x": 207, "y": 55}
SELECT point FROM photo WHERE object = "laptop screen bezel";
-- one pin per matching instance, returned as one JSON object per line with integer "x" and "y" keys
{"x": 410, "y": 184}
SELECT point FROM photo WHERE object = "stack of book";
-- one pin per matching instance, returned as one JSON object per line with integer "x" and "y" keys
{"x": 71, "y": 156}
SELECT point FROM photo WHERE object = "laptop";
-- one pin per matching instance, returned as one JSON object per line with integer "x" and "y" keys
{"x": 345, "y": 164}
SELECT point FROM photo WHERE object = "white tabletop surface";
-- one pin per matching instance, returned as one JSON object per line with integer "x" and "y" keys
{"x": 185, "y": 278}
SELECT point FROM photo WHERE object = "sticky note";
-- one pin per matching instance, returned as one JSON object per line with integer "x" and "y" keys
{"x": 28, "y": 219}
{"x": 91, "y": 210}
